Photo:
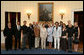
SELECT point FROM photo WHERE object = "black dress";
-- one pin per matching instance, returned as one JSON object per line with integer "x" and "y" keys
{"x": 76, "y": 40}
{"x": 63, "y": 41}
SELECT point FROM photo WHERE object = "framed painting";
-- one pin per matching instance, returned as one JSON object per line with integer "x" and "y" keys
{"x": 45, "y": 12}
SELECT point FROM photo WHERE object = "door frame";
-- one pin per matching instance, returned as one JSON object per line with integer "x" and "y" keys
{"x": 13, "y": 12}
{"x": 80, "y": 9}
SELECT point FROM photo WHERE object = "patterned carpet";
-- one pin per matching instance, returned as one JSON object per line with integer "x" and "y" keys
{"x": 38, "y": 51}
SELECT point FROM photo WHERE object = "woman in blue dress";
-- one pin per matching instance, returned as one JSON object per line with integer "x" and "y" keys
{"x": 50, "y": 38}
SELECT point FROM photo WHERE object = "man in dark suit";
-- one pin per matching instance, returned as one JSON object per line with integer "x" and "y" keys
{"x": 8, "y": 34}
{"x": 70, "y": 34}
{"x": 30, "y": 36}
{"x": 33, "y": 37}
{"x": 17, "y": 33}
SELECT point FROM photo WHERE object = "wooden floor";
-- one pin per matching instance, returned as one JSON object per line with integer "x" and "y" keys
{"x": 80, "y": 48}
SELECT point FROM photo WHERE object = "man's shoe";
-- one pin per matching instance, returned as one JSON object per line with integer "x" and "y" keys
{"x": 6, "y": 49}
{"x": 29, "y": 48}
{"x": 36, "y": 48}
{"x": 19, "y": 48}
{"x": 15, "y": 49}
{"x": 22, "y": 49}
{"x": 70, "y": 51}
{"x": 58, "y": 50}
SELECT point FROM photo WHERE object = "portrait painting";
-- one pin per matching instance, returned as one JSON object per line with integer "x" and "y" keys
{"x": 45, "y": 12}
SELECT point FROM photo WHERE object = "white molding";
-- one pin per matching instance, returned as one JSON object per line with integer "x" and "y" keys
{"x": 2, "y": 37}
{"x": 80, "y": 9}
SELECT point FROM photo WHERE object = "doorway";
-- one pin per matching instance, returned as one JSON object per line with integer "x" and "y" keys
{"x": 12, "y": 17}
{"x": 78, "y": 16}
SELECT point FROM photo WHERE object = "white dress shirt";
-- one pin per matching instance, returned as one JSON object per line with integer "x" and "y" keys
{"x": 18, "y": 27}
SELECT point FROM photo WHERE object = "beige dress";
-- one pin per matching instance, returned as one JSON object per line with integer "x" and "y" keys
{"x": 43, "y": 35}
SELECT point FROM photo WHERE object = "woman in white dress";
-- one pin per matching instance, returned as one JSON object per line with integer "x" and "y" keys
{"x": 43, "y": 35}
{"x": 50, "y": 38}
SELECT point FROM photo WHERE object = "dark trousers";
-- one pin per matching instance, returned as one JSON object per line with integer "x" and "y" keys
{"x": 17, "y": 40}
{"x": 31, "y": 41}
{"x": 53, "y": 43}
{"x": 24, "y": 41}
{"x": 8, "y": 43}
{"x": 70, "y": 39}
{"x": 63, "y": 44}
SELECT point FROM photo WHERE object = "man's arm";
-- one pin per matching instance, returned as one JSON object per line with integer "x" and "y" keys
{"x": 53, "y": 32}
{"x": 21, "y": 33}
{"x": 4, "y": 32}
{"x": 78, "y": 32}
{"x": 67, "y": 36}
{"x": 34, "y": 29}
{"x": 60, "y": 32}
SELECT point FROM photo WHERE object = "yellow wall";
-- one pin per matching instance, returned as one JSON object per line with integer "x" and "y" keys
{"x": 22, "y": 6}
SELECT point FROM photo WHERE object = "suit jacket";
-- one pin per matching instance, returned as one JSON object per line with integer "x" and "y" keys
{"x": 30, "y": 32}
{"x": 8, "y": 32}
{"x": 16, "y": 31}
{"x": 37, "y": 31}
{"x": 57, "y": 32}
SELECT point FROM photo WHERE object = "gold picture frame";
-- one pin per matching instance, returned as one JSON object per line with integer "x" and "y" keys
{"x": 45, "y": 12}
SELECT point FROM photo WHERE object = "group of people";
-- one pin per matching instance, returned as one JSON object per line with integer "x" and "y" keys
{"x": 36, "y": 35}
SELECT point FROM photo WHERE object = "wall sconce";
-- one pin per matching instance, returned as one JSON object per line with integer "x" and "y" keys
{"x": 62, "y": 13}
{"x": 28, "y": 13}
